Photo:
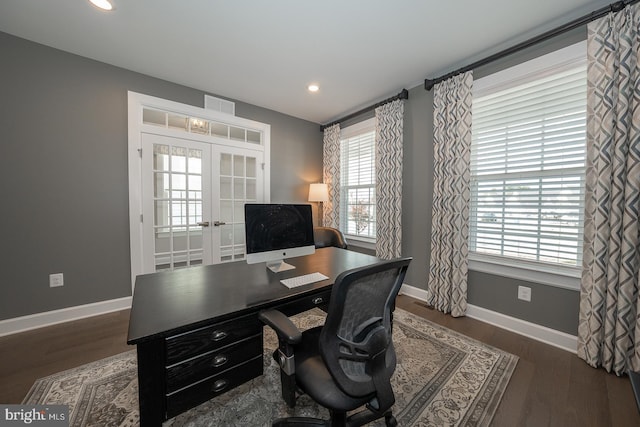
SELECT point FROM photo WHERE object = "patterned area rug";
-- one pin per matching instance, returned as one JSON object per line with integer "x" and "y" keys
{"x": 442, "y": 379}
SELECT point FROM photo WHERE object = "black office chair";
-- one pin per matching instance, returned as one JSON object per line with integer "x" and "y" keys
{"x": 329, "y": 236}
{"x": 348, "y": 362}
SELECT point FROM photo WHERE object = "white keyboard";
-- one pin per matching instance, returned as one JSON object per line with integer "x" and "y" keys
{"x": 305, "y": 279}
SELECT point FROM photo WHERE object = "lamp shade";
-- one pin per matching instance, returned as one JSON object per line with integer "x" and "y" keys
{"x": 318, "y": 193}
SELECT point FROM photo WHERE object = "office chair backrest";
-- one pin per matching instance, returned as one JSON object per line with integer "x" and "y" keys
{"x": 355, "y": 341}
{"x": 329, "y": 236}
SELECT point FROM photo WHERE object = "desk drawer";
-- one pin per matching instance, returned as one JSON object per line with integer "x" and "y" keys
{"x": 320, "y": 300}
{"x": 209, "y": 338}
{"x": 201, "y": 392}
{"x": 212, "y": 363}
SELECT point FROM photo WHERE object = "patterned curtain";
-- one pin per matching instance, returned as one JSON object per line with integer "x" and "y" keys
{"x": 609, "y": 326}
{"x": 331, "y": 176}
{"x": 389, "y": 127}
{"x": 447, "y": 287}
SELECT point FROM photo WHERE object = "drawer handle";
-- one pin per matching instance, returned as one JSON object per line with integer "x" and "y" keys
{"x": 219, "y": 385}
{"x": 317, "y": 300}
{"x": 219, "y": 360}
{"x": 218, "y": 335}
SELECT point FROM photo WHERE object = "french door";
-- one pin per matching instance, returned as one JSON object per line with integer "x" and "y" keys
{"x": 193, "y": 196}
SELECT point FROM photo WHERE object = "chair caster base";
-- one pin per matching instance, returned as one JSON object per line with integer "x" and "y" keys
{"x": 390, "y": 421}
{"x": 299, "y": 422}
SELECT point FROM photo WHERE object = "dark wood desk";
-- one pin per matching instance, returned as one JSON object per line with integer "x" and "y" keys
{"x": 197, "y": 332}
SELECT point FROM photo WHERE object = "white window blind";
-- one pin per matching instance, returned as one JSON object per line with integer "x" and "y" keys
{"x": 358, "y": 181}
{"x": 528, "y": 166}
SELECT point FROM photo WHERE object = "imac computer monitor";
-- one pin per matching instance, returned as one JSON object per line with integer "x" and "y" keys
{"x": 275, "y": 232}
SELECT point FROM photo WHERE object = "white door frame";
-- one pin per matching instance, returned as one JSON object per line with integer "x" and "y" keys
{"x": 136, "y": 104}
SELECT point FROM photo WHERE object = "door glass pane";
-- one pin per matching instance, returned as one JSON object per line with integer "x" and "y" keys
{"x": 195, "y": 187}
{"x": 163, "y": 262}
{"x": 238, "y": 188}
{"x": 195, "y": 237}
{"x": 178, "y": 185}
{"x": 218, "y": 129}
{"x": 238, "y": 212}
{"x": 199, "y": 126}
{"x": 160, "y": 157}
{"x": 225, "y": 164}
{"x": 238, "y": 234}
{"x": 251, "y": 190}
{"x": 236, "y": 133}
{"x": 195, "y": 212}
{"x": 226, "y": 211}
{"x": 178, "y": 159}
{"x": 251, "y": 167}
{"x": 226, "y": 235}
{"x": 253, "y": 136}
{"x": 178, "y": 121}
{"x": 163, "y": 240}
{"x": 195, "y": 161}
{"x": 177, "y": 205}
{"x": 195, "y": 257}
{"x": 238, "y": 185}
{"x": 161, "y": 213}
{"x": 161, "y": 185}
{"x": 154, "y": 117}
{"x": 225, "y": 188}
{"x": 179, "y": 241}
{"x": 238, "y": 165}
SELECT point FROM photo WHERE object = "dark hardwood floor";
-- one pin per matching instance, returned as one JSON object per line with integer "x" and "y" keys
{"x": 550, "y": 387}
{"x": 30, "y": 355}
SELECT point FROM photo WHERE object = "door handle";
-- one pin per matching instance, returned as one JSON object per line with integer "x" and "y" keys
{"x": 218, "y": 223}
{"x": 203, "y": 224}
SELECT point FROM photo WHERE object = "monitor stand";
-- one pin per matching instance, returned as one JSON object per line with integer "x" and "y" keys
{"x": 278, "y": 266}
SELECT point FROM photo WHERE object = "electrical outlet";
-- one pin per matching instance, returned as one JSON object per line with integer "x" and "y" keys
{"x": 524, "y": 293}
{"x": 55, "y": 280}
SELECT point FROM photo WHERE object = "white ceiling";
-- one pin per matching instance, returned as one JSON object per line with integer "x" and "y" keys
{"x": 266, "y": 52}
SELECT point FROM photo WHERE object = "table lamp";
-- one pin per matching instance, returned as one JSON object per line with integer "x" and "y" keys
{"x": 319, "y": 193}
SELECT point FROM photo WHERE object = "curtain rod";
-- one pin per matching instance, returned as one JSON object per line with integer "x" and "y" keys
{"x": 404, "y": 94}
{"x": 613, "y": 7}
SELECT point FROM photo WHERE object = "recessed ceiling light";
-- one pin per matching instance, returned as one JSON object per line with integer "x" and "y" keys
{"x": 102, "y": 4}
{"x": 313, "y": 88}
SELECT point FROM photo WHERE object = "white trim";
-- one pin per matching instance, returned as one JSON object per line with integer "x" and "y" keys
{"x": 48, "y": 318}
{"x": 358, "y": 128}
{"x": 359, "y": 242}
{"x": 562, "y": 59}
{"x": 414, "y": 292}
{"x": 566, "y": 278}
{"x": 555, "y": 338}
{"x": 136, "y": 103}
{"x": 354, "y": 131}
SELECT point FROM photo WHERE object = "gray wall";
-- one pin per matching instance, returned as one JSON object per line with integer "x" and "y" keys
{"x": 63, "y": 170}
{"x": 63, "y": 173}
{"x": 550, "y": 306}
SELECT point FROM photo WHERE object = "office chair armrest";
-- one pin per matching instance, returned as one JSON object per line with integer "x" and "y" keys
{"x": 282, "y": 325}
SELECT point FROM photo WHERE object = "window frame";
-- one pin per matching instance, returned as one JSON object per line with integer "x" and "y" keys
{"x": 553, "y": 274}
{"x": 365, "y": 126}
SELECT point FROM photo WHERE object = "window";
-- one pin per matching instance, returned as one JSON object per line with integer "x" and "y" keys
{"x": 358, "y": 181}
{"x": 528, "y": 161}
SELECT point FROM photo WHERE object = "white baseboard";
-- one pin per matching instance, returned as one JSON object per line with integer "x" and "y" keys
{"x": 48, "y": 318}
{"x": 531, "y": 330}
{"x": 414, "y": 292}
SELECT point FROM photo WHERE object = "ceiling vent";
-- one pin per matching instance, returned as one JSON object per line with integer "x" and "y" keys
{"x": 218, "y": 104}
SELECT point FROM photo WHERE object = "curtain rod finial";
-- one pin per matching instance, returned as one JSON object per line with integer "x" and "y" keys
{"x": 617, "y": 6}
{"x": 428, "y": 84}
